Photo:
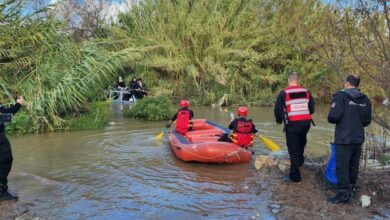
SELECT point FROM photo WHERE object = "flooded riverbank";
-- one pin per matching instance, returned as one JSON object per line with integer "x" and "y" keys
{"x": 122, "y": 172}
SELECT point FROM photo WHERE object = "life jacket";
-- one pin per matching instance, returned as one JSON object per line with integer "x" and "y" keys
{"x": 297, "y": 103}
{"x": 243, "y": 136}
{"x": 183, "y": 121}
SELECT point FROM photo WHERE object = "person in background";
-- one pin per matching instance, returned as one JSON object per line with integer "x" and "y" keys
{"x": 140, "y": 83}
{"x": 137, "y": 88}
{"x": 183, "y": 118}
{"x": 142, "y": 88}
{"x": 133, "y": 84}
{"x": 120, "y": 84}
{"x": 294, "y": 106}
{"x": 6, "y": 153}
{"x": 351, "y": 112}
{"x": 243, "y": 129}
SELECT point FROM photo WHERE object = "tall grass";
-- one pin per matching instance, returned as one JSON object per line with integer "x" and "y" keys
{"x": 56, "y": 75}
{"x": 210, "y": 48}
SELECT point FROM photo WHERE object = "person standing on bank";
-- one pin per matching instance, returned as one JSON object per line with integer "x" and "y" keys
{"x": 294, "y": 106}
{"x": 351, "y": 112}
{"x": 6, "y": 153}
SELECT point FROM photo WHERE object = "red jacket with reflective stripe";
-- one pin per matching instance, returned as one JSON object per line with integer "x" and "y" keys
{"x": 243, "y": 134}
{"x": 297, "y": 103}
{"x": 183, "y": 121}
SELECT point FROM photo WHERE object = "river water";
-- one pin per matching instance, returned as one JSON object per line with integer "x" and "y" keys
{"x": 123, "y": 172}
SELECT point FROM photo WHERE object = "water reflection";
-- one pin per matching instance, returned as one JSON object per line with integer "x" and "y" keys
{"x": 121, "y": 172}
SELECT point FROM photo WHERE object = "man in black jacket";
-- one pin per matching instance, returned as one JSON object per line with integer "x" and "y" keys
{"x": 294, "y": 106}
{"x": 351, "y": 112}
{"x": 6, "y": 153}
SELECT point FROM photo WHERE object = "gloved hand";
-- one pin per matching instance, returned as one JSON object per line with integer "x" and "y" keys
{"x": 168, "y": 125}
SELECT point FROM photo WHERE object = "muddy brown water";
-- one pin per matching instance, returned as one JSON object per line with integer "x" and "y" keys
{"x": 122, "y": 172}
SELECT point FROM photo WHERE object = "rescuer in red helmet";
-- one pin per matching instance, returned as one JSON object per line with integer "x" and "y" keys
{"x": 243, "y": 129}
{"x": 182, "y": 117}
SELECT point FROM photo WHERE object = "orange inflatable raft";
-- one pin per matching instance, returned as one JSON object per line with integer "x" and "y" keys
{"x": 202, "y": 145}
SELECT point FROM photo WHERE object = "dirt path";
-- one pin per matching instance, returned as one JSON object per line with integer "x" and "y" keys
{"x": 307, "y": 200}
{"x": 14, "y": 210}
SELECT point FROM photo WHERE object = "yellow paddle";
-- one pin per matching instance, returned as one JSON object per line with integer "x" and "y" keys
{"x": 269, "y": 143}
{"x": 159, "y": 136}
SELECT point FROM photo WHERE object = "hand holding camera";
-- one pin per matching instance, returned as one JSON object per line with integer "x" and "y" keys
{"x": 20, "y": 100}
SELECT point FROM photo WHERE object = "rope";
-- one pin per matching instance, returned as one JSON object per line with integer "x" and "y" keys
{"x": 219, "y": 155}
{"x": 207, "y": 158}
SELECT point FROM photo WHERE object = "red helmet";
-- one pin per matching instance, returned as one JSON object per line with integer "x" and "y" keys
{"x": 242, "y": 111}
{"x": 184, "y": 103}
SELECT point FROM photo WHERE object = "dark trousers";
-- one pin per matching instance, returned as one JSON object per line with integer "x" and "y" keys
{"x": 347, "y": 165}
{"x": 225, "y": 138}
{"x": 296, "y": 142}
{"x": 5, "y": 159}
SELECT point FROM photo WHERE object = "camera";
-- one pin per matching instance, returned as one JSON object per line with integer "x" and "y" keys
{"x": 5, "y": 117}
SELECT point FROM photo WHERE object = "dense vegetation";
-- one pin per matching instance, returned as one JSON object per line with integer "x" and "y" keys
{"x": 56, "y": 75}
{"x": 197, "y": 49}
{"x": 208, "y": 48}
{"x": 151, "y": 109}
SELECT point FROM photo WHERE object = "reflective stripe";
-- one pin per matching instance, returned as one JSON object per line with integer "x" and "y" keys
{"x": 298, "y": 113}
{"x": 295, "y": 90}
{"x": 295, "y": 101}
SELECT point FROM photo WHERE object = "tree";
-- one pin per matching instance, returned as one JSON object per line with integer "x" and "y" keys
{"x": 367, "y": 28}
{"x": 85, "y": 19}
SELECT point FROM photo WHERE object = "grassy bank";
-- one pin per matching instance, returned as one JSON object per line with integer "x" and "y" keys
{"x": 92, "y": 116}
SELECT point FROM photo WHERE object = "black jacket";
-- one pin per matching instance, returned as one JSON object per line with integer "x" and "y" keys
{"x": 280, "y": 105}
{"x": 174, "y": 117}
{"x": 233, "y": 125}
{"x": 13, "y": 109}
{"x": 351, "y": 112}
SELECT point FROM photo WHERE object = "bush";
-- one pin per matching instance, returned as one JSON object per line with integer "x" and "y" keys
{"x": 384, "y": 159}
{"x": 21, "y": 124}
{"x": 95, "y": 117}
{"x": 151, "y": 108}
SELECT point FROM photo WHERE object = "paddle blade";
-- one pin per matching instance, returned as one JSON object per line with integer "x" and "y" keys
{"x": 270, "y": 144}
{"x": 159, "y": 136}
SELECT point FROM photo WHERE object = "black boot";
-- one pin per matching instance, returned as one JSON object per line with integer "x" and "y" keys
{"x": 353, "y": 190}
{"x": 341, "y": 197}
{"x": 5, "y": 195}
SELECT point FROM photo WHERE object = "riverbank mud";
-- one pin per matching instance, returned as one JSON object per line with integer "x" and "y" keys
{"x": 307, "y": 199}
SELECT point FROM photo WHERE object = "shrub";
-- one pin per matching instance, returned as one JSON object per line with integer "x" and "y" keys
{"x": 94, "y": 117}
{"x": 21, "y": 124}
{"x": 384, "y": 159}
{"x": 151, "y": 108}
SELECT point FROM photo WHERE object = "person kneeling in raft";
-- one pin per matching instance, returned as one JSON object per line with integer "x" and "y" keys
{"x": 243, "y": 129}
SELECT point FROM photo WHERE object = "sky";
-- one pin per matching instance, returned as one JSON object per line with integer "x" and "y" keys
{"x": 115, "y": 7}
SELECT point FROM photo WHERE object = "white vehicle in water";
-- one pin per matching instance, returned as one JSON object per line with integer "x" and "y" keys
{"x": 122, "y": 97}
